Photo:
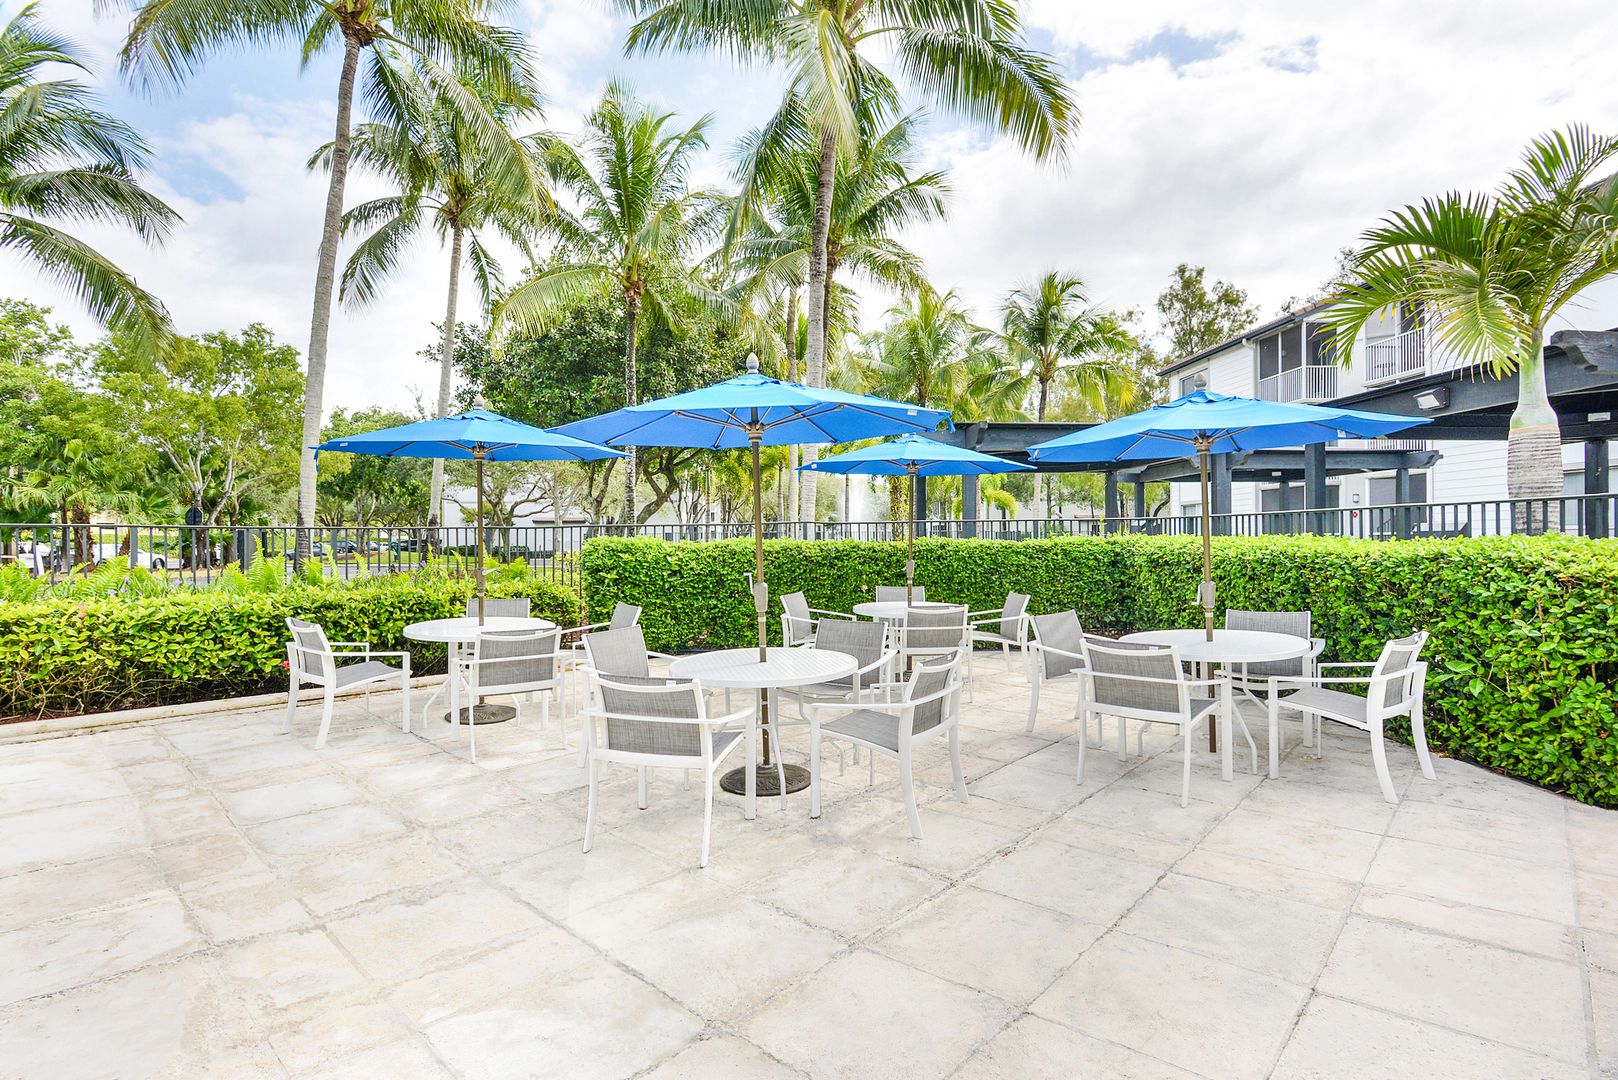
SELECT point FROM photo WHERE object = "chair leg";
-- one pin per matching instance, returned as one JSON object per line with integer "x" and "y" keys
{"x": 404, "y": 689}
{"x": 1252, "y": 747}
{"x": 1379, "y": 755}
{"x": 292, "y": 706}
{"x": 955, "y": 761}
{"x": 1185, "y": 772}
{"x": 325, "y": 716}
{"x": 545, "y": 712}
{"x": 1418, "y": 735}
{"x": 870, "y": 780}
{"x": 814, "y": 769}
{"x": 640, "y": 785}
{"x": 1033, "y": 702}
{"x": 1275, "y": 734}
{"x": 1005, "y": 651}
{"x": 1123, "y": 739}
{"x": 590, "y": 806}
{"x": 1084, "y": 741}
{"x": 707, "y": 810}
{"x": 906, "y": 782}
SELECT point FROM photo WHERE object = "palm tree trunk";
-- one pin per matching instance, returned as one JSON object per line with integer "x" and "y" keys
{"x": 1042, "y": 507}
{"x": 819, "y": 290}
{"x": 1534, "y": 447}
{"x": 794, "y": 478}
{"x": 445, "y": 370}
{"x": 325, "y": 276}
{"x": 631, "y": 317}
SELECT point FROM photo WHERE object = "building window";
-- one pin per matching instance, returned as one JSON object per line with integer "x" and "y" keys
{"x": 1384, "y": 490}
{"x": 1196, "y": 380}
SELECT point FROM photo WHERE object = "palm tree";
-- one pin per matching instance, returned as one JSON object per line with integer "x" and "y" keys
{"x": 634, "y": 236}
{"x": 1490, "y": 271}
{"x": 61, "y": 157}
{"x": 1051, "y": 338}
{"x": 453, "y": 180}
{"x": 170, "y": 39}
{"x": 966, "y": 54}
{"x": 875, "y": 194}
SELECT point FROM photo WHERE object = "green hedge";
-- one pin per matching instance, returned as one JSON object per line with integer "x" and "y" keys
{"x": 1524, "y": 649}
{"x": 65, "y": 655}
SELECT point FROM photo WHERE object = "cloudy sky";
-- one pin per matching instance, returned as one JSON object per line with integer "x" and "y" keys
{"x": 1255, "y": 137}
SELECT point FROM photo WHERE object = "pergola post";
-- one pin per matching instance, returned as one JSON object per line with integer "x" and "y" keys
{"x": 1113, "y": 511}
{"x": 1314, "y": 486}
{"x": 1140, "y": 503}
{"x": 969, "y": 505}
{"x": 1401, "y": 495}
{"x": 1597, "y": 478}
{"x": 1219, "y": 501}
{"x": 921, "y": 506}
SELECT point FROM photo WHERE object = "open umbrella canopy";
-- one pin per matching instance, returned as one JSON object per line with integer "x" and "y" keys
{"x": 1217, "y": 424}
{"x": 926, "y": 457}
{"x": 461, "y": 437}
{"x": 719, "y": 417}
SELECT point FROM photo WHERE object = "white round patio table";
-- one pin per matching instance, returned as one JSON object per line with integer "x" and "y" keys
{"x": 1228, "y": 647}
{"x": 460, "y": 634}
{"x": 893, "y": 610}
{"x": 782, "y": 668}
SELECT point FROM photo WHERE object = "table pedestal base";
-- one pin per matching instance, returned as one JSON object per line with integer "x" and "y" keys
{"x": 735, "y": 781}
{"x": 483, "y": 714}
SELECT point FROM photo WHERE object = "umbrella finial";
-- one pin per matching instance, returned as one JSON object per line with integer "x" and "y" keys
{"x": 480, "y": 402}
{"x": 752, "y": 363}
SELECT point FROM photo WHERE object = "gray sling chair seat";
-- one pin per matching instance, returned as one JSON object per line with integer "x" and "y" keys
{"x": 1005, "y": 628}
{"x": 313, "y": 659}
{"x": 1055, "y": 652}
{"x": 798, "y": 618}
{"x": 1253, "y": 679}
{"x": 500, "y": 607}
{"x": 509, "y": 663}
{"x": 652, "y": 723}
{"x": 1395, "y": 687}
{"x": 573, "y": 655}
{"x": 1141, "y": 682}
{"x": 928, "y": 707}
{"x": 898, "y": 594}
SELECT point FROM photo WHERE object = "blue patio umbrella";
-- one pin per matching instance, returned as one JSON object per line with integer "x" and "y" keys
{"x": 1204, "y": 423}
{"x": 751, "y": 411}
{"x": 913, "y": 456}
{"x": 476, "y": 435}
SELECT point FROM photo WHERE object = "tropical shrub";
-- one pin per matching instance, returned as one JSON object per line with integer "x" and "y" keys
{"x": 1523, "y": 657}
{"x": 112, "y": 649}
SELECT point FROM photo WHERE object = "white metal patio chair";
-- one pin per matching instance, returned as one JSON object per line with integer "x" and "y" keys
{"x": 621, "y": 653}
{"x": 928, "y": 708}
{"x": 654, "y": 723}
{"x": 1055, "y": 652}
{"x": 1139, "y": 682}
{"x": 899, "y": 594}
{"x": 932, "y": 631}
{"x": 1395, "y": 687}
{"x": 509, "y": 663}
{"x": 311, "y": 659}
{"x": 866, "y": 642}
{"x": 798, "y": 619}
{"x": 1252, "y": 679}
{"x": 573, "y": 653}
{"x": 1006, "y": 628}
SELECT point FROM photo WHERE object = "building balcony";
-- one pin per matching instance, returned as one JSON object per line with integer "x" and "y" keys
{"x": 1309, "y": 383}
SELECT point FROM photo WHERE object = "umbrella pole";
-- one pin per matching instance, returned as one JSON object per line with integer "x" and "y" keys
{"x": 761, "y": 591}
{"x": 477, "y": 564}
{"x": 1205, "y": 593}
{"x": 910, "y": 542}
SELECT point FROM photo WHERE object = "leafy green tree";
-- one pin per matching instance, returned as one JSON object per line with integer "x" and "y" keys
{"x": 1490, "y": 271}
{"x": 1196, "y": 316}
{"x": 169, "y": 40}
{"x": 635, "y": 236}
{"x": 1051, "y": 338}
{"x": 62, "y": 157}
{"x": 566, "y": 370}
{"x": 365, "y": 490}
{"x": 969, "y": 55}
{"x": 218, "y": 413}
{"x": 449, "y": 175}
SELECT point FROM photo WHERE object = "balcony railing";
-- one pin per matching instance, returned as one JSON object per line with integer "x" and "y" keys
{"x": 1398, "y": 357}
{"x": 1309, "y": 383}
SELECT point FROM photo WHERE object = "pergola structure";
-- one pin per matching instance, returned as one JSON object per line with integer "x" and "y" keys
{"x": 1581, "y": 372}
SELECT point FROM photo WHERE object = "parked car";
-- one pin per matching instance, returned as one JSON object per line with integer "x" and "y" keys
{"x": 151, "y": 560}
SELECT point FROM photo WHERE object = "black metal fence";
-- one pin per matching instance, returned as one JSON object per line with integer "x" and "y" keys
{"x": 197, "y": 555}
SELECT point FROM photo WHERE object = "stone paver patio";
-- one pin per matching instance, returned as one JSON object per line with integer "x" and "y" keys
{"x": 210, "y": 897}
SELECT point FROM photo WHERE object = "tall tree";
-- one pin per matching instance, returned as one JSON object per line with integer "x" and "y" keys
{"x": 1488, "y": 272}
{"x": 1051, "y": 338}
{"x": 62, "y": 157}
{"x": 969, "y": 55}
{"x": 876, "y": 194}
{"x": 170, "y": 39}
{"x": 634, "y": 236}
{"x": 1196, "y": 315}
{"x": 449, "y": 176}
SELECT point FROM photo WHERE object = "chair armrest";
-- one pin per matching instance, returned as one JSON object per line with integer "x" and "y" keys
{"x": 662, "y": 655}
{"x": 1217, "y": 680}
{"x": 582, "y": 629}
{"x": 1350, "y": 663}
{"x": 1298, "y": 682}
{"x": 894, "y": 707}
{"x": 1316, "y": 645}
{"x": 1037, "y": 647}
{"x": 828, "y": 611}
{"x": 356, "y": 644}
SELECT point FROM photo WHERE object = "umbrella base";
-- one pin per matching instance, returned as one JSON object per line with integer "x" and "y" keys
{"x": 735, "y": 781}
{"x": 483, "y": 714}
